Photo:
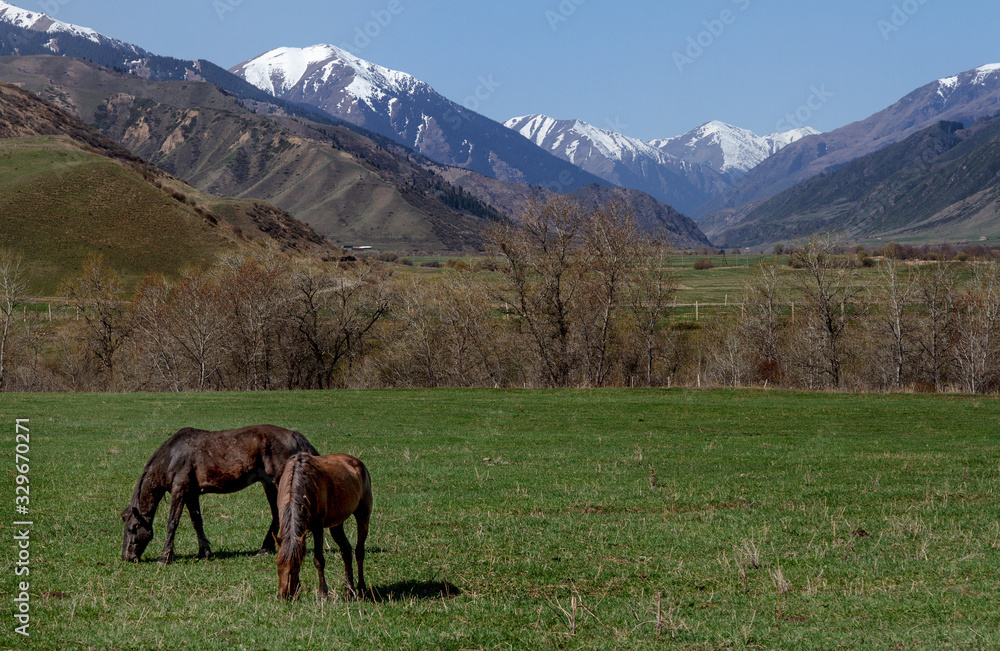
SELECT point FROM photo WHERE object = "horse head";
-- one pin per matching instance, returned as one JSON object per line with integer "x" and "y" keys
{"x": 138, "y": 533}
{"x": 289, "y": 565}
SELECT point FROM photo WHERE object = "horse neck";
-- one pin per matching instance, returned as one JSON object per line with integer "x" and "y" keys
{"x": 149, "y": 490}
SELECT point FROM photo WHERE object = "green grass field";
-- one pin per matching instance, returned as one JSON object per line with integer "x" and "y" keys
{"x": 550, "y": 519}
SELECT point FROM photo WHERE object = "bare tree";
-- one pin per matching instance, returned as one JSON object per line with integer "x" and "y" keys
{"x": 830, "y": 288}
{"x": 333, "y": 311}
{"x": 544, "y": 276}
{"x": 197, "y": 324}
{"x": 893, "y": 292}
{"x": 151, "y": 332}
{"x": 936, "y": 291}
{"x": 488, "y": 354}
{"x": 100, "y": 293}
{"x": 649, "y": 300}
{"x": 725, "y": 355}
{"x": 760, "y": 322}
{"x": 12, "y": 287}
{"x": 253, "y": 295}
{"x": 977, "y": 329}
{"x": 613, "y": 246}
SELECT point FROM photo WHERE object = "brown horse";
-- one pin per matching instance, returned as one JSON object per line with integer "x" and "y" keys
{"x": 316, "y": 493}
{"x": 192, "y": 462}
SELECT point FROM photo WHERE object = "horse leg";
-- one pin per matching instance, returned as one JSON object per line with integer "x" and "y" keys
{"x": 345, "y": 552}
{"x": 271, "y": 492}
{"x": 319, "y": 560}
{"x": 194, "y": 510}
{"x": 177, "y": 497}
{"x": 362, "y": 516}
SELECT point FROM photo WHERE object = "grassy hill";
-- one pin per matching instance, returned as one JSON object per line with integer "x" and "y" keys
{"x": 66, "y": 190}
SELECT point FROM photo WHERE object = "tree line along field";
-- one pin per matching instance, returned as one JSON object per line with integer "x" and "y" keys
{"x": 540, "y": 519}
{"x": 568, "y": 297}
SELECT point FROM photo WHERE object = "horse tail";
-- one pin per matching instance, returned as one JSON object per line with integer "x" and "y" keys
{"x": 296, "y": 514}
{"x": 366, "y": 495}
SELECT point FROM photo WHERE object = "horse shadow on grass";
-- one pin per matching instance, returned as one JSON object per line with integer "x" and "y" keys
{"x": 406, "y": 590}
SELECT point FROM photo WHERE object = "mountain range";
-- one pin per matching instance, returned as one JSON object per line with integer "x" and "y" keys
{"x": 965, "y": 97}
{"x": 684, "y": 171}
{"x": 941, "y": 183}
{"x": 368, "y": 154}
{"x": 409, "y": 111}
{"x": 395, "y": 200}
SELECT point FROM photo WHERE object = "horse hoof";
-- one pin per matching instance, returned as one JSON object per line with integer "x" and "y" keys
{"x": 264, "y": 551}
{"x": 166, "y": 560}
{"x": 204, "y": 556}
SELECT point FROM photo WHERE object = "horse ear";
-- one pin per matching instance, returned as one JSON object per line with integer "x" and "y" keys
{"x": 137, "y": 515}
{"x": 125, "y": 515}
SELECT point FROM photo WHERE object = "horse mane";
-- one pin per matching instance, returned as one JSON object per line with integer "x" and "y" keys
{"x": 298, "y": 511}
{"x": 158, "y": 461}
{"x": 137, "y": 491}
{"x": 303, "y": 445}
{"x": 135, "y": 502}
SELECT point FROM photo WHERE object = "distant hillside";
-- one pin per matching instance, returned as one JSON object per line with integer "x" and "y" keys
{"x": 942, "y": 183}
{"x": 966, "y": 97}
{"x": 67, "y": 190}
{"x": 652, "y": 215}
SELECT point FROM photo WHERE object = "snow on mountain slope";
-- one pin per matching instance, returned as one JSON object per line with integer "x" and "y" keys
{"x": 38, "y": 22}
{"x": 728, "y": 149}
{"x": 283, "y": 70}
{"x": 709, "y": 158}
{"x": 578, "y": 142}
{"x": 407, "y": 110}
{"x": 980, "y": 76}
{"x": 42, "y": 23}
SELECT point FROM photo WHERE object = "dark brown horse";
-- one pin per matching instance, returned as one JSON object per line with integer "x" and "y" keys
{"x": 316, "y": 493}
{"x": 194, "y": 461}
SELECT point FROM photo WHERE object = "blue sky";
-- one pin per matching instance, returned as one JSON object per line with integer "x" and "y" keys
{"x": 648, "y": 69}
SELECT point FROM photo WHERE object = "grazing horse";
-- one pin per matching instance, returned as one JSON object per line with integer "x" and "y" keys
{"x": 316, "y": 493}
{"x": 192, "y": 462}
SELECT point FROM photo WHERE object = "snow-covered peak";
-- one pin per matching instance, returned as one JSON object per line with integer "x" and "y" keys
{"x": 286, "y": 68}
{"x": 983, "y": 72}
{"x": 727, "y": 148}
{"x": 42, "y": 23}
{"x": 577, "y": 138}
{"x": 977, "y": 77}
{"x": 781, "y": 140}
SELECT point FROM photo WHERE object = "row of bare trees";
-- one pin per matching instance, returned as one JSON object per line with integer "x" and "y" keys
{"x": 927, "y": 327}
{"x": 253, "y": 322}
{"x": 571, "y": 297}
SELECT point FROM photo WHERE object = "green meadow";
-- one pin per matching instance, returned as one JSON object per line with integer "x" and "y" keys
{"x": 536, "y": 519}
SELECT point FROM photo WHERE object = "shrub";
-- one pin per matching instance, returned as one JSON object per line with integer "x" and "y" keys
{"x": 704, "y": 264}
